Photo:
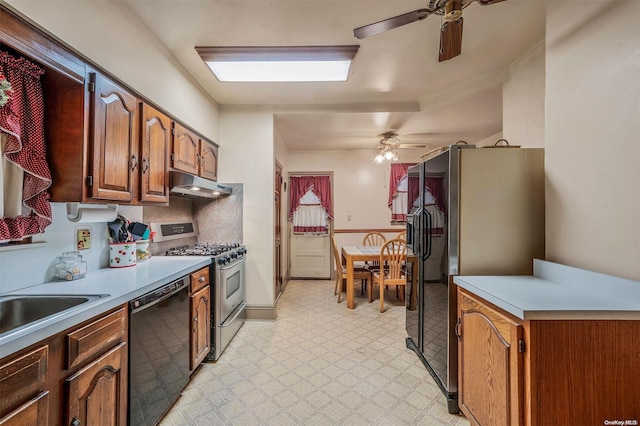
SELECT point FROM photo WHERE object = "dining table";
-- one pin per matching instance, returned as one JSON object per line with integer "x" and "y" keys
{"x": 352, "y": 254}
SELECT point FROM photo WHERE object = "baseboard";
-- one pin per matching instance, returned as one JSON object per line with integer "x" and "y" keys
{"x": 263, "y": 313}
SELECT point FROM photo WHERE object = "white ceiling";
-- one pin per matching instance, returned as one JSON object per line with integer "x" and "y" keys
{"x": 396, "y": 82}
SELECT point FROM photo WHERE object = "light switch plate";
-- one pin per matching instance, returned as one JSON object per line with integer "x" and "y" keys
{"x": 83, "y": 237}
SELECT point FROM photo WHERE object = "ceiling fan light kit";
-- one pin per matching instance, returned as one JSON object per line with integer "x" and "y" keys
{"x": 450, "y": 29}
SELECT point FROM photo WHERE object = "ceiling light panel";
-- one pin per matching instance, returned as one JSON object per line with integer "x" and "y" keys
{"x": 279, "y": 64}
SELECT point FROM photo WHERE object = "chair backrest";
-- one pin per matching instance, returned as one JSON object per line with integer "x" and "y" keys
{"x": 374, "y": 239}
{"x": 336, "y": 257}
{"x": 394, "y": 252}
{"x": 401, "y": 235}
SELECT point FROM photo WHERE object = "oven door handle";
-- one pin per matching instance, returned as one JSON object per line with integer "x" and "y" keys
{"x": 228, "y": 322}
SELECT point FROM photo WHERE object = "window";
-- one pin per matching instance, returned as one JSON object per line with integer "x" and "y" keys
{"x": 398, "y": 197}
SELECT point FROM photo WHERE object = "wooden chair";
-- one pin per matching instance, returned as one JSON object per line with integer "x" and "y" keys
{"x": 401, "y": 236}
{"x": 394, "y": 253}
{"x": 373, "y": 239}
{"x": 341, "y": 272}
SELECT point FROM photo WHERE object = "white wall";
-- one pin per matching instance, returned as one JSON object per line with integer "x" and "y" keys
{"x": 523, "y": 100}
{"x": 32, "y": 264}
{"x": 110, "y": 34}
{"x": 249, "y": 158}
{"x": 360, "y": 185}
{"x": 592, "y": 138}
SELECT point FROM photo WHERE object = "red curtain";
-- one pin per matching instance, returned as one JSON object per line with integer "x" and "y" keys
{"x": 22, "y": 119}
{"x": 397, "y": 173}
{"x": 434, "y": 185}
{"x": 319, "y": 185}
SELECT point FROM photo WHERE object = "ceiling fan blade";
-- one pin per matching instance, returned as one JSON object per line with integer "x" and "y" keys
{"x": 391, "y": 23}
{"x": 451, "y": 39}
{"x": 413, "y": 145}
{"x": 488, "y": 2}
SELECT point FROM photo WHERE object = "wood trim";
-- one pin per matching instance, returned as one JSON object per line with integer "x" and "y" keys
{"x": 366, "y": 230}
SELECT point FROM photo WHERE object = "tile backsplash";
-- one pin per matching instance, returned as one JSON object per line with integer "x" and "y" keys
{"x": 32, "y": 264}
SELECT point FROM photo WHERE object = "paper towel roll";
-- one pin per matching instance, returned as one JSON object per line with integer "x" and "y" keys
{"x": 77, "y": 212}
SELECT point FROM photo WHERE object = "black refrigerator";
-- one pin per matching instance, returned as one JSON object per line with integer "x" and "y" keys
{"x": 472, "y": 211}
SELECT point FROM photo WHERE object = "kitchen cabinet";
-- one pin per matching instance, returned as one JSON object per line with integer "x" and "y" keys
{"x": 208, "y": 160}
{"x": 78, "y": 374}
{"x": 200, "y": 307}
{"x": 490, "y": 364}
{"x": 155, "y": 144}
{"x": 186, "y": 149}
{"x": 554, "y": 369}
{"x": 192, "y": 154}
{"x": 97, "y": 394}
{"x": 113, "y": 136}
{"x": 23, "y": 387}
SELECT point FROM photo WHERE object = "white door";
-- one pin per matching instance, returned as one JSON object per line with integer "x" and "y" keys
{"x": 310, "y": 245}
{"x": 310, "y": 256}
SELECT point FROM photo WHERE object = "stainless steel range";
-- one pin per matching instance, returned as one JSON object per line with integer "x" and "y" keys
{"x": 228, "y": 277}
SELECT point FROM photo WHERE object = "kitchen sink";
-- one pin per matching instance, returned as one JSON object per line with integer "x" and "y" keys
{"x": 19, "y": 310}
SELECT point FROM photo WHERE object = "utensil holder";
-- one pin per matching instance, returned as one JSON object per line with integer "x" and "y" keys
{"x": 122, "y": 255}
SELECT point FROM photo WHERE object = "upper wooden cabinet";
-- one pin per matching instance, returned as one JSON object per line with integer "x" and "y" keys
{"x": 208, "y": 160}
{"x": 192, "y": 154}
{"x": 155, "y": 143}
{"x": 186, "y": 150}
{"x": 113, "y": 136}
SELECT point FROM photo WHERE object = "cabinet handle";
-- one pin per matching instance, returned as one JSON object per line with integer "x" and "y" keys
{"x": 75, "y": 422}
{"x": 457, "y": 329}
{"x": 133, "y": 162}
{"x": 145, "y": 165}
{"x": 197, "y": 159}
{"x": 202, "y": 162}
{"x": 201, "y": 279}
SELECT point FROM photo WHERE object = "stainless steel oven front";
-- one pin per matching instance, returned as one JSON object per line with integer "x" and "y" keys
{"x": 229, "y": 301}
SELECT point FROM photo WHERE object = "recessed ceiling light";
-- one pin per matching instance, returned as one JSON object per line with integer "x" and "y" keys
{"x": 279, "y": 64}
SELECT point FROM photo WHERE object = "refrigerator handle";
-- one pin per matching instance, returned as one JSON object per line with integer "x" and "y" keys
{"x": 426, "y": 235}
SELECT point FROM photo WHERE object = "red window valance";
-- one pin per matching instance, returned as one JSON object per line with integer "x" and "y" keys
{"x": 319, "y": 185}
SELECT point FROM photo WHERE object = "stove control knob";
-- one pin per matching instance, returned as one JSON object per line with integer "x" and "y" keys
{"x": 234, "y": 255}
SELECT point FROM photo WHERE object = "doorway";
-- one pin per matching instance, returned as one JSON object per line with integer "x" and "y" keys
{"x": 310, "y": 224}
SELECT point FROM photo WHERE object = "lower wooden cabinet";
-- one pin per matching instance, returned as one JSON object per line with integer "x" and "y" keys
{"x": 23, "y": 381}
{"x": 580, "y": 371}
{"x": 97, "y": 394}
{"x": 200, "y": 307}
{"x": 76, "y": 377}
{"x": 490, "y": 369}
{"x": 33, "y": 412}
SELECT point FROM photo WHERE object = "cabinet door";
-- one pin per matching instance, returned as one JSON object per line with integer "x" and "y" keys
{"x": 114, "y": 141}
{"x": 208, "y": 160}
{"x": 154, "y": 155}
{"x": 97, "y": 394}
{"x": 22, "y": 378}
{"x": 185, "y": 152}
{"x": 490, "y": 365}
{"x": 200, "y": 326}
{"x": 34, "y": 412}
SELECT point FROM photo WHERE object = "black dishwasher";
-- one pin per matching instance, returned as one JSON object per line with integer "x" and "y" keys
{"x": 158, "y": 351}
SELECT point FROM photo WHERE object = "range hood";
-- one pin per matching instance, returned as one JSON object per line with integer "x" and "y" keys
{"x": 192, "y": 186}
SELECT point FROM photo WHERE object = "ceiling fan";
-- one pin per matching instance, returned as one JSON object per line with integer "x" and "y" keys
{"x": 450, "y": 30}
{"x": 388, "y": 145}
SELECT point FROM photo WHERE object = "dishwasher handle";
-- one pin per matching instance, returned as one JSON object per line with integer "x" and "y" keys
{"x": 143, "y": 302}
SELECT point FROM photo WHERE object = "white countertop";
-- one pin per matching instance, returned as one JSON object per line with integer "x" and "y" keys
{"x": 120, "y": 284}
{"x": 558, "y": 292}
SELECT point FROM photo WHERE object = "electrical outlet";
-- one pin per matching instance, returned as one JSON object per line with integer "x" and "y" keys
{"x": 83, "y": 238}
{"x": 348, "y": 218}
